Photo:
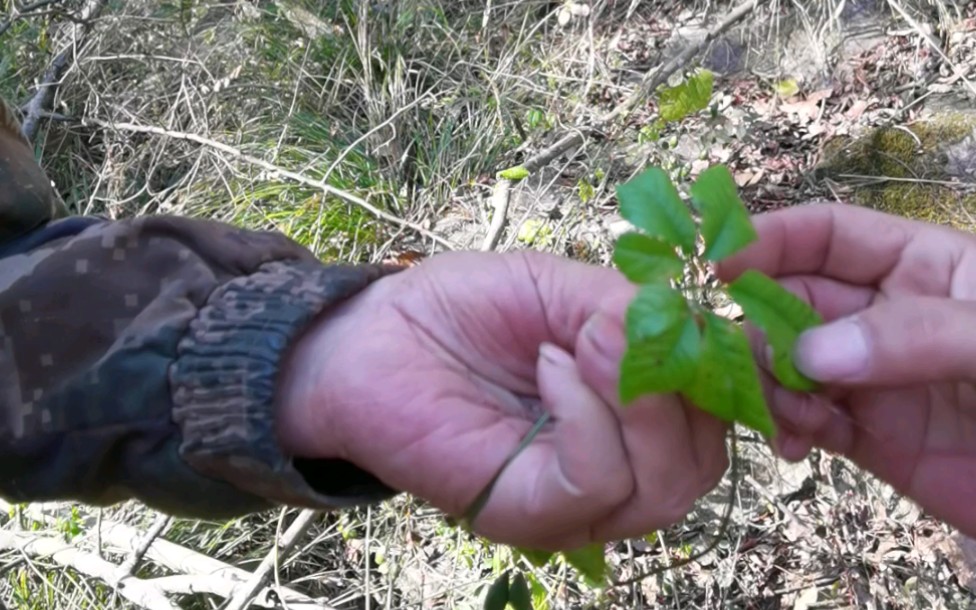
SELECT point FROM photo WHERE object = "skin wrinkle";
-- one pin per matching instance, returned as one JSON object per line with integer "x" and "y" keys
{"x": 417, "y": 446}
{"x": 506, "y": 399}
{"x": 525, "y": 380}
{"x": 536, "y": 281}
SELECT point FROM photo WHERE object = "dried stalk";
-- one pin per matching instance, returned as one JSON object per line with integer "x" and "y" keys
{"x": 271, "y": 167}
{"x": 135, "y": 590}
{"x": 651, "y": 80}
{"x": 52, "y": 76}
{"x": 289, "y": 539}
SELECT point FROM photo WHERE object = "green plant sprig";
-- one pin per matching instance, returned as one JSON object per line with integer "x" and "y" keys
{"x": 674, "y": 343}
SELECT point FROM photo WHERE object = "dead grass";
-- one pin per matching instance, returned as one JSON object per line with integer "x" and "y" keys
{"x": 413, "y": 106}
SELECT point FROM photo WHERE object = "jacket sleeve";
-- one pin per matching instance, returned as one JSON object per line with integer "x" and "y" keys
{"x": 139, "y": 360}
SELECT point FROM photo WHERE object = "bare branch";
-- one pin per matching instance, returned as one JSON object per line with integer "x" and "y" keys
{"x": 49, "y": 82}
{"x": 271, "y": 167}
{"x": 24, "y": 12}
{"x": 288, "y": 541}
{"x": 139, "y": 552}
{"x": 66, "y": 554}
{"x": 205, "y": 573}
{"x": 651, "y": 81}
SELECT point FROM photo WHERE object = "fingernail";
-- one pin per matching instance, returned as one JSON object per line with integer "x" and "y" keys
{"x": 606, "y": 335}
{"x": 555, "y": 355}
{"x": 833, "y": 352}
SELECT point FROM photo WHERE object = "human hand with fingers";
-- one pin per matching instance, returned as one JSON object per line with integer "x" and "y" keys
{"x": 430, "y": 378}
{"x": 896, "y": 355}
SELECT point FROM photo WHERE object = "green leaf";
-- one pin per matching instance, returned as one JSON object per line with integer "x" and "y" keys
{"x": 536, "y": 558}
{"x": 692, "y": 95}
{"x": 727, "y": 383}
{"x": 590, "y": 562}
{"x": 726, "y": 227}
{"x": 497, "y": 596}
{"x": 646, "y": 259}
{"x": 787, "y": 88}
{"x": 651, "y": 203}
{"x": 514, "y": 173}
{"x": 663, "y": 343}
{"x": 540, "y": 597}
{"x": 519, "y": 596}
{"x": 782, "y": 316}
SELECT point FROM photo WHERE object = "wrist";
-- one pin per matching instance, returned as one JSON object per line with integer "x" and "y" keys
{"x": 316, "y": 384}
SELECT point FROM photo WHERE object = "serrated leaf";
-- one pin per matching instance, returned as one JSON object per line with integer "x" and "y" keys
{"x": 726, "y": 226}
{"x": 692, "y": 95}
{"x": 651, "y": 203}
{"x": 782, "y": 316}
{"x": 536, "y": 558}
{"x": 646, "y": 259}
{"x": 663, "y": 343}
{"x": 497, "y": 596}
{"x": 519, "y": 596}
{"x": 727, "y": 382}
{"x": 590, "y": 561}
{"x": 514, "y": 173}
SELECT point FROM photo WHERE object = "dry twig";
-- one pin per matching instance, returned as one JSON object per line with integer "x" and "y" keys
{"x": 198, "y": 573}
{"x": 651, "y": 80}
{"x": 24, "y": 12}
{"x": 66, "y": 554}
{"x": 288, "y": 541}
{"x": 326, "y": 188}
{"x": 49, "y": 82}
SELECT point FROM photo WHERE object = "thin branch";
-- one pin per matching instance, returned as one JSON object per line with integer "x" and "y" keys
{"x": 24, "y": 12}
{"x": 932, "y": 43}
{"x": 63, "y": 553}
{"x": 139, "y": 552}
{"x": 197, "y": 566}
{"x": 261, "y": 575}
{"x": 52, "y": 76}
{"x": 500, "y": 196}
{"x": 651, "y": 81}
{"x": 275, "y": 169}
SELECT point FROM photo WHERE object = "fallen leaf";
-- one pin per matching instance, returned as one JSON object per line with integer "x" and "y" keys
{"x": 820, "y": 95}
{"x": 805, "y": 110}
{"x": 961, "y": 555}
{"x": 856, "y": 110}
{"x": 748, "y": 177}
{"x": 806, "y": 599}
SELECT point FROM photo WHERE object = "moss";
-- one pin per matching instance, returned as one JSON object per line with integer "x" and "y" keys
{"x": 909, "y": 161}
{"x": 926, "y": 202}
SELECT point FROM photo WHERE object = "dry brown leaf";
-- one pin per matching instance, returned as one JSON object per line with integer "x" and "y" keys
{"x": 856, "y": 110}
{"x": 748, "y": 177}
{"x": 960, "y": 552}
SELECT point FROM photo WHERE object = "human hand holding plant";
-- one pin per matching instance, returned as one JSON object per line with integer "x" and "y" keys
{"x": 898, "y": 355}
{"x": 430, "y": 378}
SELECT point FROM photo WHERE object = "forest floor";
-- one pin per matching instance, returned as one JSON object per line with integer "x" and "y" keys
{"x": 242, "y": 110}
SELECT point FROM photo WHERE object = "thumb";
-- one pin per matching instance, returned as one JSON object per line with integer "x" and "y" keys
{"x": 896, "y": 342}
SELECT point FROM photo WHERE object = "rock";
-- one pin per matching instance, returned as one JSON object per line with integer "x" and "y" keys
{"x": 925, "y": 170}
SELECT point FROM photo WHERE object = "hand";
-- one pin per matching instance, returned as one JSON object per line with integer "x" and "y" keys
{"x": 897, "y": 354}
{"x": 431, "y": 377}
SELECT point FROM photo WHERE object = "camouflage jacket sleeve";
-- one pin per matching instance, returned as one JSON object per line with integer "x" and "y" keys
{"x": 139, "y": 360}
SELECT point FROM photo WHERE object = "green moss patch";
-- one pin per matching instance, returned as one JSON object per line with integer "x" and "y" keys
{"x": 902, "y": 170}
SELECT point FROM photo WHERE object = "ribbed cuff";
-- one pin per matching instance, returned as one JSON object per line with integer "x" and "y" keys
{"x": 224, "y": 381}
